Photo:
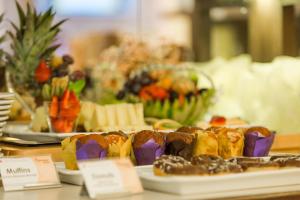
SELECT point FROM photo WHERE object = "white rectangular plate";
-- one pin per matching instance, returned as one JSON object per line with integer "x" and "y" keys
{"x": 231, "y": 185}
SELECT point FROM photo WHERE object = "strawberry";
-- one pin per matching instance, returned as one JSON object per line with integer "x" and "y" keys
{"x": 181, "y": 99}
{"x": 62, "y": 125}
{"x": 53, "y": 109}
{"x": 218, "y": 121}
{"x": 42, "y": 72}
{"x": 70, "y": 105}
{"x": 153, "y": 91}
{"x": 64, "y": 102}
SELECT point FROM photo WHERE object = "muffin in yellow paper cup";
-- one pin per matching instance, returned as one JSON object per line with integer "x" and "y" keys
{"x": 119, "y": 144}
{"x": 69, "y": 151}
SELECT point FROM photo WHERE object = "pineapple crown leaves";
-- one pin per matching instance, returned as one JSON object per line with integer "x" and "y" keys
{"x": 32, "y": 40}
{"x": 2, "y": 38}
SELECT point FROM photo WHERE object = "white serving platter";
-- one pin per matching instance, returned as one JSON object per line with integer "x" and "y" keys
{"x": 23, "y": 132}
{"x": 73, "y": 177}
{"x": 223, "y": 186}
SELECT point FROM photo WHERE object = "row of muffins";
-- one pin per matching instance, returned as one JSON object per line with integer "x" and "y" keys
{"x": 145, "y": 146}
{"x": 201, "y": 165}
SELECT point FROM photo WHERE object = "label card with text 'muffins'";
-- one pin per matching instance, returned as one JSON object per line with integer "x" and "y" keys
{"x": 24, "y": 173}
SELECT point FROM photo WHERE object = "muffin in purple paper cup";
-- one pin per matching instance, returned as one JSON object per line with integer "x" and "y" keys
{"x": 92, "y": 146}
{"x": 147, "y": 146}
{"x": 258, "y": 142}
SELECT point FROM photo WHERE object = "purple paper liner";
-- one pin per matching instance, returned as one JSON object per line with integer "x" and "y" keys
{"x": 90, "y": 150}
{"x": 257, "y": 146}
{"x": 148, "y": 152}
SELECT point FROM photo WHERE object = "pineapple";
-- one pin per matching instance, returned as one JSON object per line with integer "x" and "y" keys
{"x": 32, "y": 41}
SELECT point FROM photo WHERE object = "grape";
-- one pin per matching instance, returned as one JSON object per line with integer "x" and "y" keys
{"x": 146, "y": 81}
{"x": 68, "y": 59}
{"x": 63, "y": 66}
{"x": 173, "y": 95}
{"x": 189, "y": 95}
{"x": 121, "y": 94}
{"x": 127, "y": 85}
{"x": 55, "y": 73}
{"x": 135, "y": 89}
{"x": 77, "y": 75}
{"x": 203, "y": 90}
{"x": 62, "y": 71}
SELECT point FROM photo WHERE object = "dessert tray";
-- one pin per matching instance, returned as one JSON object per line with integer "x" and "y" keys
{"x": 22, "y": 131}
{"x": 225, "y": 186}
{"x": 207, "y": 187}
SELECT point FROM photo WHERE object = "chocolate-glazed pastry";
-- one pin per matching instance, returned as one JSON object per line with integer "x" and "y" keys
{"x": 206, "y": 159}
{"x": 180, "y": 144}
{"x": 247, "y": 166}
{"x": 176, "y": 165}
{"x": 295, "y": 162}
{"x": 286, "y": 160}
{"x": 216, "y": 164}
{"x": 147, "y": 146}
{"x": 238, "y": 160}
{"x": 232, "y": 168}
{"x": 258, "y": 141}
{"x": 283, "y": 156}
{"x": 212, "y": 163}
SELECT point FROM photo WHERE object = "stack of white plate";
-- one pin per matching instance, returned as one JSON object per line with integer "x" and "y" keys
{"x": 6, "y": 100}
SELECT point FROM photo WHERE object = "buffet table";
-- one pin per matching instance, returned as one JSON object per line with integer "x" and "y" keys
{"x": 70, "y": 192}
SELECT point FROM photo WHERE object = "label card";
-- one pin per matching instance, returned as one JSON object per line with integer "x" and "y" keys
{"x": 110, "y": 178}
{"x": 28, "y": 173}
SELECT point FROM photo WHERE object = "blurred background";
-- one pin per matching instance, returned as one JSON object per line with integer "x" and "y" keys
{"x": 211, "y": 28}
{"x": 250, "y": 48}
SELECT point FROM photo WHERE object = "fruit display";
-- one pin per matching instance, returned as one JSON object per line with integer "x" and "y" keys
{"x": 62, "y": 89}
{"x": 168, "y": 92}
{"x": 94, "y": 117}
{"x": 33, "y": 43}
{"x": 63, "y": 111}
